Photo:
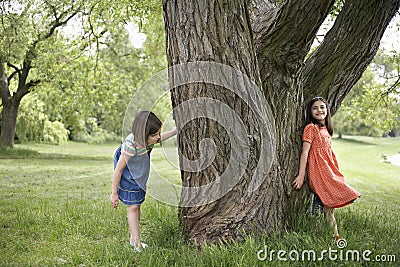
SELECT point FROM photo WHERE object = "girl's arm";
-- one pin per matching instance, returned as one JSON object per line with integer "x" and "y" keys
{"x": 168, "y": 134}
{"x": 298, "y": 182}
{"x": 116, "y": 179}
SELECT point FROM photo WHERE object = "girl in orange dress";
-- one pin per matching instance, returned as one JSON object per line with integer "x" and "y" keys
{"x": 325, "y": 179}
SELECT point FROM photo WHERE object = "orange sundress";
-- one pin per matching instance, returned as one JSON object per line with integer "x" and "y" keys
{"x": 324, "y": 176}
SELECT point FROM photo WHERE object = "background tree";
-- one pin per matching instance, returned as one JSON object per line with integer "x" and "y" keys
{"x": 24, "y": 31}
{"x": 36, "y": 55}
{"x": 268, "y": 41}
{"x": 377, "y": 92}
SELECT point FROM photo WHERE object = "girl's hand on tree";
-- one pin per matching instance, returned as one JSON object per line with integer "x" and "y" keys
{"x": 298, "y": 182}
{"x": 114, "y": 200}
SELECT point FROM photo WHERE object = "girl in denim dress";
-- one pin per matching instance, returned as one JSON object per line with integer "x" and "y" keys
{"x": 132, "y": 168}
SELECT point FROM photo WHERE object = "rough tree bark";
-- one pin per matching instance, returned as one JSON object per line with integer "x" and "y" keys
{"x": 11, "y": 102}
{"x": 9, "y": 111}
{"x": 268, "y": 41}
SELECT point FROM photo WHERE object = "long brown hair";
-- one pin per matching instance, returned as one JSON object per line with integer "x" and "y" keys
{"x": 145, "y": 124}
{"x": 328, "y": 118}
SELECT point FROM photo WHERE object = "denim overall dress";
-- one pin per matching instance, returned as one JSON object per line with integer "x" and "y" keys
{"x": 132, "y": 187}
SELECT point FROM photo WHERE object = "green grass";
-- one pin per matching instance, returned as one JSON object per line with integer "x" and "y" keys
{"x": 55, "y": 212}
{"x": 362, "y": 163}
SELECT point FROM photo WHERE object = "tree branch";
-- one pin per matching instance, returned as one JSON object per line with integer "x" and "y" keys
{"x": 286, "y": 33}
{"x": 11, "y": 76}
{"x": 59, "y": 20}
{"x": 13, "y": 66}
{"x": 4, "y": 90}
{"x": 16, "y": 71}
{"x": 347, "y": 49}
{"x": 393, "y": 88}
{"x": 24, "y": 90}
{"x": 30, "y": 55}
{"x": 53, "y": 8}
{"x": 96, "y": 36}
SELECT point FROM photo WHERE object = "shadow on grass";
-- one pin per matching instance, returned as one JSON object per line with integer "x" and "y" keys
{"x": 355, "y": 141}
{"x": 17, "y": 153}
{"x": 22, "y": 153}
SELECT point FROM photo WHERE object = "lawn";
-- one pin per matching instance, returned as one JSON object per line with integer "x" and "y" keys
{"x": 55, "y": 212}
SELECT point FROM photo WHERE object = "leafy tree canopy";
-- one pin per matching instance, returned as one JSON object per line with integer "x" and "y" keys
{"x": 373, "y": 106}
{"x": 90, "y": 73}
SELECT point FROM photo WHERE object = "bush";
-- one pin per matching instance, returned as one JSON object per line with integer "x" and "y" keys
{"x": 55, "y": 132}
{"x": 99, "y": 137}
{"x": 88, "y": 131}
{"x": 34, "y": 125}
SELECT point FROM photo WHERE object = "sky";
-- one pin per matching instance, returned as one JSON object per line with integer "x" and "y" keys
{"x": 391, "y": 38}
{"x": 137, "y": 38}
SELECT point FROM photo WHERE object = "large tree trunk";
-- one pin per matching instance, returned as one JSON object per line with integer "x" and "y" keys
{"x": 9, "y": 112}
{"x": 9, "y": 120}
{"x": 281, "y": 51}
{"x": 243, "y": 184}
{"x": 233, "y": 198}
{"x": 11, "y": 104}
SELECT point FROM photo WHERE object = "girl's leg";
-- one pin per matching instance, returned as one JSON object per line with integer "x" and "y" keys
{"x": 133, "y": 213}
{"x": 332, "y": 221}
{"x": 317, "y": 205}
